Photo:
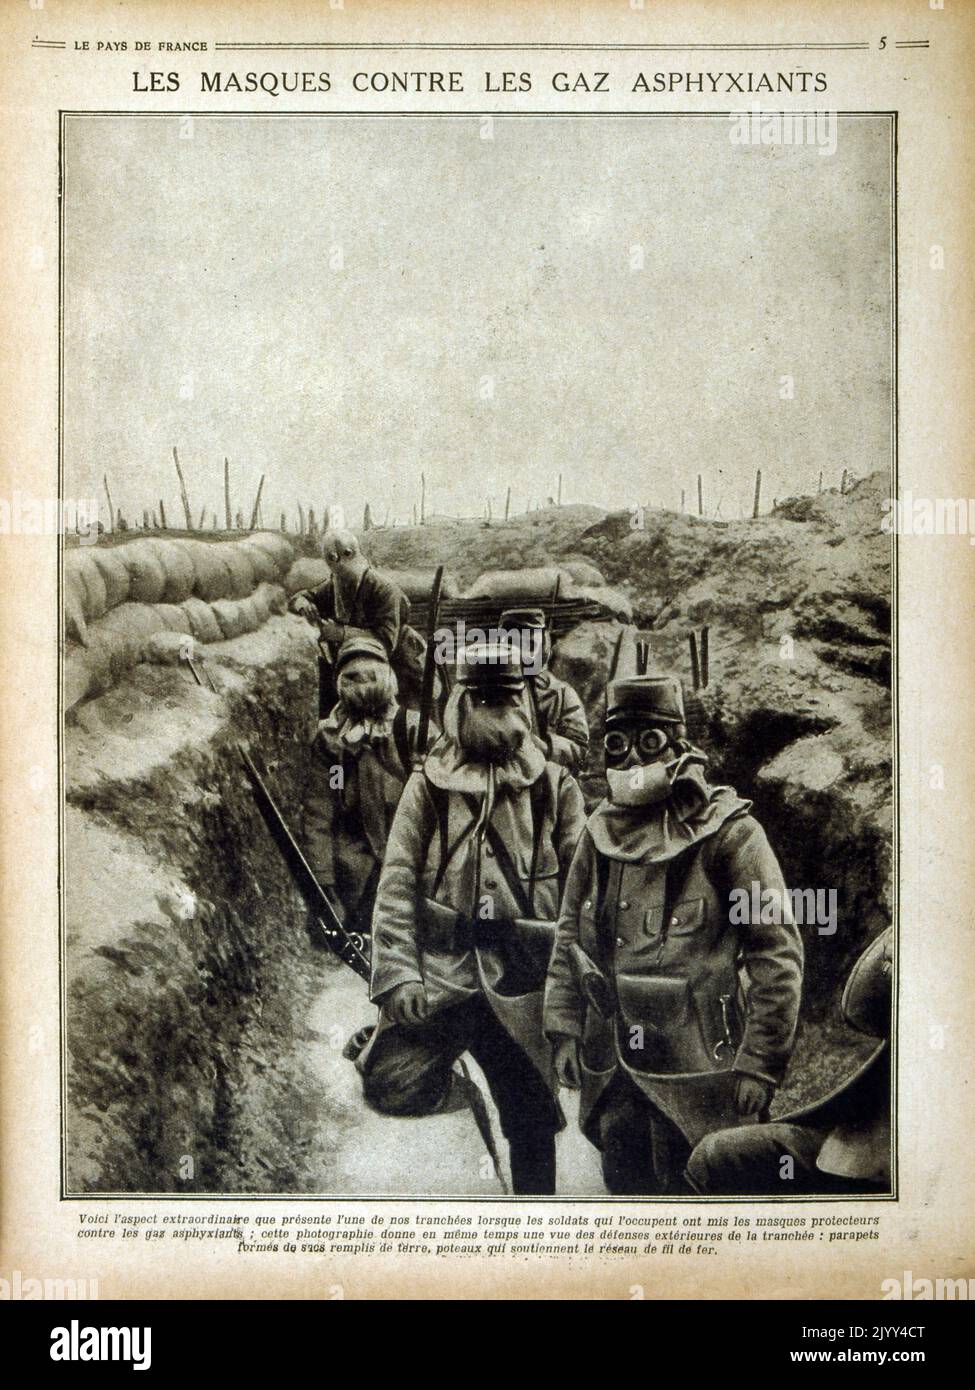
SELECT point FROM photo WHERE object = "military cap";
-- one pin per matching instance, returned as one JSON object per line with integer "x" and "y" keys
{"x": 354, "y": 647}
{"x": 521, "y": 618}
{"x": 657, "y": 698}
{"x": 491, "y": 665}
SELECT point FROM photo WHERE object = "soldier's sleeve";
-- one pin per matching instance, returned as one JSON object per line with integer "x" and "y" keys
{"x": 563, "y": 1009}
{"x": 771, "y": 952}
{"x": 395, "y": 952}
{"x": 381, "y": 610}
{"x": 324, "y": 599}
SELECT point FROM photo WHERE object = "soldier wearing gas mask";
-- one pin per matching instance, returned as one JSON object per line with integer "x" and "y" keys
{"x": 464, "y": 922}
{"x": 674, "y": 1017}
{"x": 558, "y": 715}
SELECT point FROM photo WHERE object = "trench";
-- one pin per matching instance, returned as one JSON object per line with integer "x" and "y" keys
{"x": 204, "y": 1022}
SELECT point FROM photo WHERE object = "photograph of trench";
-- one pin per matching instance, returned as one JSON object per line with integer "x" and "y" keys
{"x": 634, "y": 372}
{"x": 205, "y": 1025}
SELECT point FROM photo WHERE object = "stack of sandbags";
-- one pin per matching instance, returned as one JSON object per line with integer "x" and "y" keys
{"x": 528, "y": 586}
{"x": 153, "y": 570}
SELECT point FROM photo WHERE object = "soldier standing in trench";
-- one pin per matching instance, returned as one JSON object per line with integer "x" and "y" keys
{"x": 464, "y": 919}
{"x": 357, "y": 601}
{"x": 363, "y": 753}
{"x": 558, "y": 715}
{"x": 644, "y": 1000}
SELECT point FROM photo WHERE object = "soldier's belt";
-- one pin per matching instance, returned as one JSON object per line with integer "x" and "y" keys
{"x": 444, "y": 929}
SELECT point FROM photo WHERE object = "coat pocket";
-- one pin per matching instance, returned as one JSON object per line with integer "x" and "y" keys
{"x": 663, "y": 1032}
{"x": 685, "y": 917}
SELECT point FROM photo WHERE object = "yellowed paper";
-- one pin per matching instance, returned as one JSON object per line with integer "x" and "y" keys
{"x": 654, "y": 317}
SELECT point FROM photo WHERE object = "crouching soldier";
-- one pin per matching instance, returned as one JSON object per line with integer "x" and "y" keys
{"x": 363, "y": 754}
{"x": 465, "y": 917}
{"x": 840, "y": 1144}
{"x": 645, "y": 1001}
{"x": 558, "y": 715}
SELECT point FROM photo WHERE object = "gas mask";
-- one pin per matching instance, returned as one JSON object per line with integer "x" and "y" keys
{"x": 641, "y": 764}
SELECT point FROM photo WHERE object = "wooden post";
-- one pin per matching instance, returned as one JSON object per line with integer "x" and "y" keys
{"x": 155, "y": 523}
{"x": 423, "y": 499}
{"x": 489, "y": 509}
{"x": 203, "y": 517}
{"x": 145, "y": 518}
{"x": 120, "y": 521}
{"x": 705, "y": 656}
{"x": 182, "y": 490}
{"x": 695, "y": 668}
{"x": 226, "y": 494}
{"x": 111, "y": 509}
{"x": 239, "y": 519}
{"x": 257, "y": 503}
{"x": 367, "y": 518}
{"x": 682, "y": 497}
{"x": 507, "y": 504}
{"x": 162, "y": 514}
{"x": 301, "y": 520}
{"x": 700, "y": 495}
{"x": 820, "y": 480}
{"x": 843, "y": 483}
{"x": 213, "y": 523}
{"x": 558, "y": 499}
{"x": 414, "y": 514}
{"x": 284, "y": 522}
{"x": 758, "y": 492}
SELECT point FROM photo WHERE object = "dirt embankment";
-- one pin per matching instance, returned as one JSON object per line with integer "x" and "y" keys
{"x": 187, "y": 957}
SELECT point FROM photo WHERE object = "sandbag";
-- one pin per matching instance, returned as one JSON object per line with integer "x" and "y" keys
{"x": 211, "y": 573}
{"x": 528, "y": 586}
{"x": 417, "y": 585}
{"x": 174, "y": 618}
{"x": 169, "y": 648}
{"x": 178, "y": 567}
{"x": 278, "y": 547}
{"x": 130, "y": 620}
{"x": 231, "y": 617}
{"x": 203, "y": 623}
{"x": 242, "y": 576}
{"x": 147, "y": 578}
{"x": 74, "y": 610}
{"x": 114, "y": 572}
{"x": 111, "y": 654}
{"x": 307, "y": 573}
{"x": 277, "y": 599}
{"x": 80, "y": 565}
{"x": 263, "y": 565}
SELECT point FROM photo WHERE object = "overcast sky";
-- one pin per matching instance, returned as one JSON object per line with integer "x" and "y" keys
{"x": 343, "y": 302}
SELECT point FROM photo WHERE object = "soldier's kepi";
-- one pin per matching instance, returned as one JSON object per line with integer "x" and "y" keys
{"x": 675, "y": 1019}
{"x": 465, "y": 916}
{"x": 558, "y": 715}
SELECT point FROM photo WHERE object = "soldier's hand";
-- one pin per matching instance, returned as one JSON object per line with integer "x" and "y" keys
{"x": 566, "y": 1063}
{"x": 407, "y": 1004}
{"x": 331, "y": 631}
{"x": 303, "y": 606}
{"x": 752, "y": 1095}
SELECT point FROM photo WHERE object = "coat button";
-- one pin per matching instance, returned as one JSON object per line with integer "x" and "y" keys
{"x": 675, "y": 921}
{"x": 489, "y": 851}
{"x": 620, "y": 941}
{"x": 587, "y": 904}
{"x": 624, "y": 906}
{"x": 490, "y": 883}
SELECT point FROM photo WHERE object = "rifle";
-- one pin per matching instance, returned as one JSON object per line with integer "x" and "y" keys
{"x": 429, "y": 665}
{"x": 339, "y": 941}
